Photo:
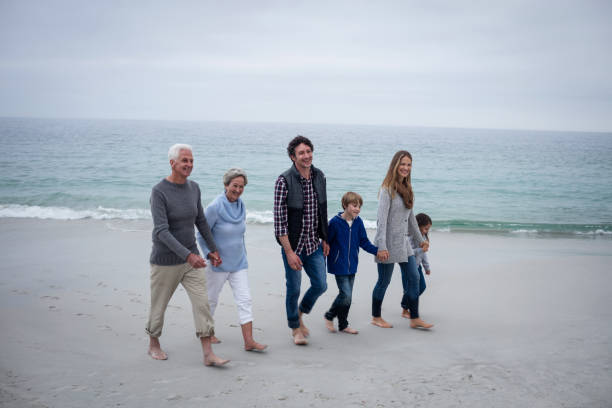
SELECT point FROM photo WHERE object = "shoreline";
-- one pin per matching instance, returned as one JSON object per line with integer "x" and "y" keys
{"x": 519, "y": 321}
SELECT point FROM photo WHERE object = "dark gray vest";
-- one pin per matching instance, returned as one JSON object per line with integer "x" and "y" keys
{"x": 295, "y": 203}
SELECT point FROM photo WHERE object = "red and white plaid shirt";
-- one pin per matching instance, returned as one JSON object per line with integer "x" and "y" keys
{"x": 308, "y": 241}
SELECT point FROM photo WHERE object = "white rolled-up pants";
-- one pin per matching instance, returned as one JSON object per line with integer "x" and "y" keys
{"x": 239, "y": 283}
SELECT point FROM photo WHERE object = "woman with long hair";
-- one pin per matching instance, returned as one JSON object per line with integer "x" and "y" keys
{"x": 395, "y": 225}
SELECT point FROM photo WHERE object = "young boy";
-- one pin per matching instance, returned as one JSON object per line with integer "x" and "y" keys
{"x": 346, "y": 234}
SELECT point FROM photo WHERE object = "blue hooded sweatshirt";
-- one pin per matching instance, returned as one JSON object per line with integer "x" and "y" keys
{"x": 227, "y": 223}
{"x": 344, "y": 243}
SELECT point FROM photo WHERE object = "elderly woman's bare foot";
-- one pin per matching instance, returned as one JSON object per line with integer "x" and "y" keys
{"x": 255, "y": 346}
{"x": 298, "y": 337}
{"x": 212, "y": 360}
{"x": 157, "y": 353}
{"x": 330, "y": 325}
{"x": 420, "y": 324}
{"x": 380, "y": 322}
{"x": 214, "y": 340}
{"x": 406, "y": 313}
{"x": 350, "y": 330}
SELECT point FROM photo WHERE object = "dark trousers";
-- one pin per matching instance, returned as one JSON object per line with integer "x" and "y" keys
{"x": 410, "y": 283}
{"x": 342, "y": 303}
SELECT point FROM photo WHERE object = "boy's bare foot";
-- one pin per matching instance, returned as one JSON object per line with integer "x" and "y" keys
{"x": 157, "y": 353}
{"x": 214, "y": 340}
{"x": 213, "y": 360}
{"x": 406, "y": 313}
{"x": 303, "y": 328}
{"x": 298, "y": 337}
{"x": 330, "y": 325}
{"x": 420, "y": 324}
{"x": 255, "y": 346}
{"x": 380, "y": 322}
{"x": 350, "y": 330}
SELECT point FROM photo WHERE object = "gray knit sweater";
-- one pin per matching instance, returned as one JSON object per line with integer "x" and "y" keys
{"x": 395, "y": 225}
{"x": 175, "y": 209}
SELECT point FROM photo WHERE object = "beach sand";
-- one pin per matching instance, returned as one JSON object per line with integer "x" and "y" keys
{"x": 519, "y": 321}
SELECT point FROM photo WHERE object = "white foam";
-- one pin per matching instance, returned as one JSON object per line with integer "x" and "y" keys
{"x": 596, "y": 232}
{"x": 260, "y": 217}
{"x": 65, "y": 213}
{"x": 524, "y": 231}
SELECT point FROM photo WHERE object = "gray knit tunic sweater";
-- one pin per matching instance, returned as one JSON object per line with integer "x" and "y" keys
{"x": 395, "y": 224}
{"x": 175, "y": 209}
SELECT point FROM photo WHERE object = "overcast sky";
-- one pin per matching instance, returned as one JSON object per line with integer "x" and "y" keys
{"x": 493, "y": 64}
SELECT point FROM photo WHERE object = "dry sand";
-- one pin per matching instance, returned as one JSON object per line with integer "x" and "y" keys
{"x": 519, "y": 322}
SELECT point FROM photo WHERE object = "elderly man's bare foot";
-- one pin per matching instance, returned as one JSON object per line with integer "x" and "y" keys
{"x": 157, "y": 353}
{"x": 214, "y": 340}
{"x": 298, "y": 337}
{"x": 330, "y": 325}
{"x": 212, "y": 360}
{"x": 255, "y": 346}
{"x": 380, "y": 322}
{"x": 303, "y": 327}
{"x": 420, "y": 324}
{"x": 350, "y": 330}
{"x": 406, "y": 313}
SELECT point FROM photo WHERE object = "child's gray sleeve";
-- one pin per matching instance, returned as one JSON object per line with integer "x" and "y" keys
{"x": 425, "y": 261}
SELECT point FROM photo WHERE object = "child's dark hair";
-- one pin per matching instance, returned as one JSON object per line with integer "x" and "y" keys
{"x": 423, "y": 219}
{"x": 295, "y": 142}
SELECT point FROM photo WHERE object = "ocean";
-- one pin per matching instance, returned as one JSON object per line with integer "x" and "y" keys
{"x": 532, "y": 183}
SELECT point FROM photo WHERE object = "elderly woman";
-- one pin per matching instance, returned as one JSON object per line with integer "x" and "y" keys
{"x": 226, "y": 217}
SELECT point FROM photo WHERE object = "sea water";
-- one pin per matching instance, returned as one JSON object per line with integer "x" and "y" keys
{"x": 506, "y": 181}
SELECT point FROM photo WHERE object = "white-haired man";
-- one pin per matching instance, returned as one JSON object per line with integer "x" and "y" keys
{"x": 176, "y": 207}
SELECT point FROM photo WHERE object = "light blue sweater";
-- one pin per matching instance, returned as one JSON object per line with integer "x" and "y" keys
{"x": 227, "y": 222}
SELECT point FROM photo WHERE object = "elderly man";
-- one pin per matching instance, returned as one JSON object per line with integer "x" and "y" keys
{"x": 176, "y": 207}
{"x": 300, "y": 226}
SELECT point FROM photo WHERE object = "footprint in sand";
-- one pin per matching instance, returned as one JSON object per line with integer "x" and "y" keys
{"x": 50, "y": 297}
{"x": 83, "y": 315}
{"x": 114, "y": 307}
{"x": 21, "y": 292}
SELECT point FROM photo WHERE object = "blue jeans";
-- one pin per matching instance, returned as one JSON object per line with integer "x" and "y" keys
{"x": 410, "y": 283}
{"x": 342, "y": 303}
{"x": 422, "y": 285}
{"x": 314, "y": 265}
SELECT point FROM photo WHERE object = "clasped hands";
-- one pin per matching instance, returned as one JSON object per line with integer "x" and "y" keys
{"x": 198, "y": 262}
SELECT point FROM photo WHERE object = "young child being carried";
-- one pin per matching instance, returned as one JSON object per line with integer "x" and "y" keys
{"x": 346, "y": 234}
{"x": 420, "y": 256}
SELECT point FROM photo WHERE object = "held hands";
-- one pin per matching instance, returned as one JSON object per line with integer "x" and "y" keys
{"x": 425, "y": 246}
{"x": 215, "y": 259}
{"x": 196, "y": 261}
{"x": 382, "y": 255}
{"x": 427, "y": 272}
{"x": 325, "y": 248}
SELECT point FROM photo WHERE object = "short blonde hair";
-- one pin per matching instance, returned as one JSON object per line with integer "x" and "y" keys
{"x": 351, "y": 198}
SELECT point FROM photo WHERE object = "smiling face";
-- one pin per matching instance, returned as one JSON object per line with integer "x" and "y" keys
{"x": 404, "y": 167}
{"x": 352, "y": 210}
{"x": 234, "y": 189}
{"x": 182, "y": 166}
{"x": 302, "y": 157}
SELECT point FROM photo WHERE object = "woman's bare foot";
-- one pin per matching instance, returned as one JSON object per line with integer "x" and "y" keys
{"x": 155, "y": 350}
{"x": 255, "y": 346}
{"x": 303, "y": 328}
{"x": 214, "y": 340}
{"x": 212, "y": 360}
{"x": 330, "y": 325}
{"x": 420, "y": 324}
{"x": 380, "y": 322}
{"x": 350, "y": 330}
{"x": 406, "y": 313}
{"x": 298, "y": 337}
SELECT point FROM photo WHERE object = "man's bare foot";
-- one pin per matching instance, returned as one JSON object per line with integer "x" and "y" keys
{"x": 303, "y": 327}
{"x": 420, "y": 324}
{"x": 298, "y": 337}
{"x": 255, "y": 346}
{"x": 330, "y": 325}
{"x": 157, "y": 353}
{"x": 406, "y": 313}
{"x": 212, "y": 360}
{"x": 380, "y": 322}
{"x": 350, "y": 330}
{"x": 214, "y": 340}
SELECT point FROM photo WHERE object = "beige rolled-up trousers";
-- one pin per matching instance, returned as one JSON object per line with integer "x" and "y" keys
{"x": 164, "y": 281}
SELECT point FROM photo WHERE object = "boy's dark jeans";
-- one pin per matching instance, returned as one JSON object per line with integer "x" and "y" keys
{"x": 342, "y": 303}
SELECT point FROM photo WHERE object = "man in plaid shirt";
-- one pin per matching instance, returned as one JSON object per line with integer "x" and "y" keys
{"x": 300, "y": 226}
